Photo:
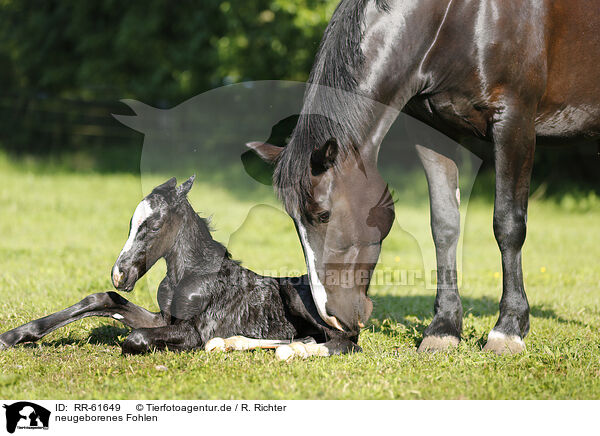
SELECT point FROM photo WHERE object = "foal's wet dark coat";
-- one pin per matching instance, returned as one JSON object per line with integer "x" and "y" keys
{"x": 205, "y": 294}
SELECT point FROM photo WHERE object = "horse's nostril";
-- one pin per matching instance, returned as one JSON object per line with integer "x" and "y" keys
{"x": 117, "y": 277}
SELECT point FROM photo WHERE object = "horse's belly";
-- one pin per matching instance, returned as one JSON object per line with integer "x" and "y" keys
{"x": 569, "y": 122}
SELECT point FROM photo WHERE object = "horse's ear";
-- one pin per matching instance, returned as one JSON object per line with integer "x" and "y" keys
{"x": 183, "y": 189}
{"x": 323, "y": 158}
{"x": 259, "y": 161}
{"x": 169, "y": 184}
{"x": 267, "y": 152}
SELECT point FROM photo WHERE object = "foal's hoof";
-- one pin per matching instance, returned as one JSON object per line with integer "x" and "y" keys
{"x": 432, "y": 344}
{"x": 215, "y": 344}
{"x": 299, "y": 349}
{"x": 500, "y": 343}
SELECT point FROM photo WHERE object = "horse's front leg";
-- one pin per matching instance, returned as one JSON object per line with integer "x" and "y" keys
{"x": 442, "y": 178}
{"x": 107, "y": 304}
{"x": 514, "y": 138}
{"x": 175, "y": 337}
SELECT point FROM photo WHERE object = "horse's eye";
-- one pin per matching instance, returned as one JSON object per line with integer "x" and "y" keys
{"x": 323, "y": 217}
{"x": 152, "y": 228}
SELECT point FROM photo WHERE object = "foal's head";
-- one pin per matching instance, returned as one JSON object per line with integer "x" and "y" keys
{"x": 152, "y": 232}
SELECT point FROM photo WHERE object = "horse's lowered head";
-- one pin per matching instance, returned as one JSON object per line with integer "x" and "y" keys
{"x": 153, "y": 229}
{"x": 342, "y": 214}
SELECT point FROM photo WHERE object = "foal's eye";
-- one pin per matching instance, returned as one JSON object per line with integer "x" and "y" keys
{"x": 323, "y": 217}
{"x": 151, "y": 228}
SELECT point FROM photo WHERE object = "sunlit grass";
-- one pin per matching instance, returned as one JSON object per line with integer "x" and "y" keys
{"x": 61, "y": 233}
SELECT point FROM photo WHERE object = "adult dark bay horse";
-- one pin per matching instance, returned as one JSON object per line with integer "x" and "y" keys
{"x": 512, "y": 72}
{"x": 206, "y": 297}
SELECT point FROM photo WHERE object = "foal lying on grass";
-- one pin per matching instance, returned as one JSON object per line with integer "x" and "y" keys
{"x": 206, "y": 296}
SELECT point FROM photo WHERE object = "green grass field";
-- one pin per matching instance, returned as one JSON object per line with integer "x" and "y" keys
{"x": 61, "y": 232}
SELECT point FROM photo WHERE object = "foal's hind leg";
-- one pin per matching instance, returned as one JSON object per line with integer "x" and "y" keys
{"x": 442, "y": 177}
{"x": 107, "y": 304}
{"x": 337, "y": 345}
{"x": 242, "y": 343}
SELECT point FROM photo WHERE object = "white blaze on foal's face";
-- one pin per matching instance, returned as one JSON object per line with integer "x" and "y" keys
{"x": 142, "y": 212}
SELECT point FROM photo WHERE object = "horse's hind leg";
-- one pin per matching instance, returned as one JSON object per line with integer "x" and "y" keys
{"x": 442, "y": 177}
{"x": 107, "y": 304}
{"x": 176, "y": 337}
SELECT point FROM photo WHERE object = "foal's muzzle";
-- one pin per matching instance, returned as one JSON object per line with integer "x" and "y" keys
{"x": 120, "y": 280}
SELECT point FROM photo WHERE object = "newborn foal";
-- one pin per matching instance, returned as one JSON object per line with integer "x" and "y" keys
{"x": 205, "y": 295}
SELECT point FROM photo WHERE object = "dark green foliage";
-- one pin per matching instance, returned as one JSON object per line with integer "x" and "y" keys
{"x": 155, "y": 51}
{"x": 65, "y": 64}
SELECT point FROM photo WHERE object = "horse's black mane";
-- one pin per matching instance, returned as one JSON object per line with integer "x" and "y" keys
{"x": 336, "y": 67}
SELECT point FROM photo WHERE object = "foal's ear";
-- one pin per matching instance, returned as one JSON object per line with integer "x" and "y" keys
{"x": 267, "y": 152}
{"x": 323, "y": 158}
{"x": 183, "y": 189}
{"x": 169, "y": 184}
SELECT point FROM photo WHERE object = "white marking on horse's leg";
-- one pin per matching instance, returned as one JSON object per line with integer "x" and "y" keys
{"x": 215, "y": 344}
{"x": 316, "y": 287}
{"x": 118, "y": 316}
{"x": 501, "y": 343}
{"x": 299, "y": 349}
{"x": 494, "y": 334}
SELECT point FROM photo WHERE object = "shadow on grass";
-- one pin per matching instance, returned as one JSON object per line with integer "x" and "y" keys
{"x": 406, "y": 316}
{"x": 103, "y": 335}
{"x": 414, "y": 313}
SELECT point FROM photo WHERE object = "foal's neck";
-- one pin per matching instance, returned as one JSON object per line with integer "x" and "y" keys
{"x": 194, "y": 251}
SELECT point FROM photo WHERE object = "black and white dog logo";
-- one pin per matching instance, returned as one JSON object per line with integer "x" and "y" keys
{"x": 26, "y": 415}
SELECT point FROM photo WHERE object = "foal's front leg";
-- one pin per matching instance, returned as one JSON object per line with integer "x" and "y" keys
{"x": 175, "y": 337}
{"x": 444, "y": 197}
{"x": 514, "y": 138}
{"x": 107, "y": 304}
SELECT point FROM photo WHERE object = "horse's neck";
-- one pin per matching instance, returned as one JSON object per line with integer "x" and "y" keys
{"x": 194, "y": 251}
{"x": 352, "y": 83}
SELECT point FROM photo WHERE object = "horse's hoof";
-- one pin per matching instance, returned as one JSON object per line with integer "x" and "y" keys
{"x": 288, "y": 352}
{"x": 432, "y": 344}
{"x": 500, "y": 343}
{"x": 285, "y": 353}
{"x": 215, "y": 344}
